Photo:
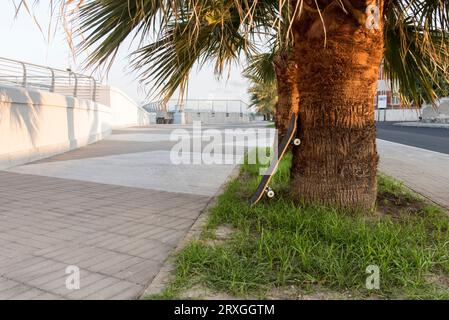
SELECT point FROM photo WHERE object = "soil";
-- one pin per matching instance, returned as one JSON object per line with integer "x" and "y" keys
{"x": 396, "y": 205}
{"x": 200, "y": 292}
{"x": 221, "y": 235}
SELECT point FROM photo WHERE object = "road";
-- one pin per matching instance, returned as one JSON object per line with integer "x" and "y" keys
{"x": 432, "y": 139}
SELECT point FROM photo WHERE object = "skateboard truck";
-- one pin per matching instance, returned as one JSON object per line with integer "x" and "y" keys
{"x": 269, "y": 192}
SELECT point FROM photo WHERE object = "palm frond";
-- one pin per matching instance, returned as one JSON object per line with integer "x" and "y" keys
{"x": 417, "y": 47}
{"x": 263, "y": 96}
{"x": 167, "y": 62}
{"x": 260, "y": 67}
{"x": 184, "y": 33}
{"x": 106, "y": 24}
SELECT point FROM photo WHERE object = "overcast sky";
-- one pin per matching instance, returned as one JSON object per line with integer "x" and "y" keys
{"x": 22, "y": 40}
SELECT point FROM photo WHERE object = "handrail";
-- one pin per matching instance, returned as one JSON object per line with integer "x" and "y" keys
{"x": 200, "y": 105}
{"x": 29, "y": 75}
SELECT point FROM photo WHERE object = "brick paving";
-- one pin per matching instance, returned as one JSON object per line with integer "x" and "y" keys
{"x": 56, "y": 213}
{"x": 117, "y": 236}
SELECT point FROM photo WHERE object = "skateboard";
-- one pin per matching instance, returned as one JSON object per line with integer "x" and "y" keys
{"x": 263, "y": 187}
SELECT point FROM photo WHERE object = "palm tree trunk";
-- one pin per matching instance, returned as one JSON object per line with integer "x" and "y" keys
{"x": 286, "y": 72}
{"x": 336, "y": 162}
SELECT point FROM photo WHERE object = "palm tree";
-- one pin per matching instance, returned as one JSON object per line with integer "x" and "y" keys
{"x": 326, "y": 56}
{"x": 272, "y": 68}
{"x": 263, "y": 96}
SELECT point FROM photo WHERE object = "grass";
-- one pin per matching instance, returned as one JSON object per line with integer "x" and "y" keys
{"x": 291, "y": 249}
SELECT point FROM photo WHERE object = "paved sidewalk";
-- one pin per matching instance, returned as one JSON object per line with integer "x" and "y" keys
{"x": 115, "y": 209}
{"x": 426, "y": 172}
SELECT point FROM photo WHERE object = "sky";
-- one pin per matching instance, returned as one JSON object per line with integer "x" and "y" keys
{"x": 22, "y": 40}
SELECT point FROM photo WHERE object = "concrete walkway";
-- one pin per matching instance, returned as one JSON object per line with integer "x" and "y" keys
{"x": 426, "y": 172}
{"x": 115, "y": 209}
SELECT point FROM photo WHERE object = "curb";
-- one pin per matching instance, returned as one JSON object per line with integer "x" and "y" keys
{"x": 163, "y": 277}
{"x": 422, "y": 125}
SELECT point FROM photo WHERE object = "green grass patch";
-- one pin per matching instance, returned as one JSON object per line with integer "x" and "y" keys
{"x": 311, "y": 248}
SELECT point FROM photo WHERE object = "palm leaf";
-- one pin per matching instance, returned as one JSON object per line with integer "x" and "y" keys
{"x": 416, "y": 47}
{"x": 260, "y": 67}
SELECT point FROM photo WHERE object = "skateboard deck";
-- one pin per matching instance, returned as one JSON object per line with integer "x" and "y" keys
{"x": 282, "y": 149}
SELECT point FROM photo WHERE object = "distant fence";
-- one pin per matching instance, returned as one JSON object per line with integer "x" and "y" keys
{"x": 65, "y": 82}
{"x": 200, "y": 105}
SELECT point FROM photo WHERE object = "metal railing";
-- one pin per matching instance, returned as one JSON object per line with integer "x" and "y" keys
{"x": 200, "y": 105}
{"x": 65, "y": 82}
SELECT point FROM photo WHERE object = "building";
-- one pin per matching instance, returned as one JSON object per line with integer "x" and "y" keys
{"x": 388, "y": 106}
{"x": 386, "y": 98}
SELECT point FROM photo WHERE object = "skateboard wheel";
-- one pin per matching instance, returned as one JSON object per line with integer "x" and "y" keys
{"x": 297, "y": 142}
{"x": 270, "y": 193}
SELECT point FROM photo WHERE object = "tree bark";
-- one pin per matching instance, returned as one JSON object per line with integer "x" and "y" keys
{"x": 336, "y": 163}
{"x": 286, "y": 72}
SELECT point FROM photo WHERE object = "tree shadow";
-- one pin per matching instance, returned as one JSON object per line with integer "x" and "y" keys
{"x": 70, "y": 110}
{"x": 93, "y": 132}
{"x": 21, "y": 117}
{"x": 93, "y": 110}
{"x": 24, "y": 109}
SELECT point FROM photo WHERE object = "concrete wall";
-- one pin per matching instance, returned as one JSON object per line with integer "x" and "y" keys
{"x": 397, "y": 114}
{"x": 125, "y": 111}
{"x": 218, "y": 117}
{"x": 37, "y": 124}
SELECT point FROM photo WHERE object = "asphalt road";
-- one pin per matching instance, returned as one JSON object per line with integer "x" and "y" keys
{"x": 433, "y": 139}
